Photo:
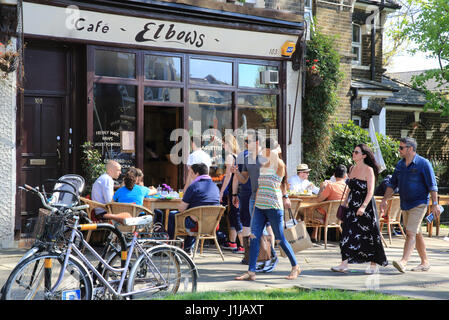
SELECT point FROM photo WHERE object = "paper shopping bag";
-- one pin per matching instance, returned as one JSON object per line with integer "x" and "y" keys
{"x": 297, "y": 236}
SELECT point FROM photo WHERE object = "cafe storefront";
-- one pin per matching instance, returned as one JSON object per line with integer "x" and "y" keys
{"x": 125, "y": 76}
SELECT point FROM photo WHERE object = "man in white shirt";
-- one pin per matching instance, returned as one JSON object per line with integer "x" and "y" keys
{"x": 300, "y": 182}
{"x": 196, "y": 157}
{"x": 103, "y": 187}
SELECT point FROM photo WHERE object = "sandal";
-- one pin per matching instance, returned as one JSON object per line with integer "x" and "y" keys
{"x": 293, "y": 274}
{"x": 421, "y": 268}
{"x": 339, "y": 269}
{"x": 246, "y": 276}
{"x": 399, "y": 266}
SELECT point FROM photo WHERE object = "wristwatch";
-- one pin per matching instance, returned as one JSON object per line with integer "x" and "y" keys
{"x": 235, "y": 195}
{"x": 285, "y": 196}
{"x": 435, "y": 203}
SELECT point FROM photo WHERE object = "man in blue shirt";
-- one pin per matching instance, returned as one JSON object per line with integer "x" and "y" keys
{"x": 415, "y": 179}
{"x": 201, "y": 192}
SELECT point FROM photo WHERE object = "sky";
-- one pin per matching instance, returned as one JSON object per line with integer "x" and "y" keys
{"x": 406, "y": 62}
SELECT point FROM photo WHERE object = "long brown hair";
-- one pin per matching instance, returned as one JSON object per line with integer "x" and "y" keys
{"x": 369, "y": 160}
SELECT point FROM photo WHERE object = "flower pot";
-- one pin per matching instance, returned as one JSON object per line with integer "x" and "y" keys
{"x": 313, "y": 79}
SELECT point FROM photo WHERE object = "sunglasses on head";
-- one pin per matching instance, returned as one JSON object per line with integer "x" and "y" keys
{"x": 356, "y": 151}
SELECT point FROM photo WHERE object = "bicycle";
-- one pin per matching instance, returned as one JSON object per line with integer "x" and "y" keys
{"x": 56, "y": 273}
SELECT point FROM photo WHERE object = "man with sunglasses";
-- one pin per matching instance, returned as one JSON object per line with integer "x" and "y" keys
{"x": 415, "y": 178}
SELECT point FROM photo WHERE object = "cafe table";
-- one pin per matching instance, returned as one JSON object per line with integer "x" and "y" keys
{"x": 442, "y": 201}
{"x": 300, "y": 200}
{"x": 164, "y": 204}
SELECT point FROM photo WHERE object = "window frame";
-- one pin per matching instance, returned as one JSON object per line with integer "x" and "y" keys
{"x": 358, "y": 60}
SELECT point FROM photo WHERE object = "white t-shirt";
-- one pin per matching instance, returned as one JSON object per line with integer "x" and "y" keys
{"x": 103, "y": 190}
{"x": 199, "y": 156}
{"x": 299, "y": 185}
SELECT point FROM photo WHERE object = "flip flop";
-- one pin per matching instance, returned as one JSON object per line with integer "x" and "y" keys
{"x": 399, "y": 266}
{"x": 421, "y": 268}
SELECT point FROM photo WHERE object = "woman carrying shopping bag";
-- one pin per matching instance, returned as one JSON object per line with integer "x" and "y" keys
{"x": 270, "y": 207}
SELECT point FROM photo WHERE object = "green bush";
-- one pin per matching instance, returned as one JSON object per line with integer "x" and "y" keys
{"x": 344, "y": 137}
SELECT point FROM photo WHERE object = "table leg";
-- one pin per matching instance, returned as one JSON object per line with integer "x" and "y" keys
{"x": 167, "y": 213}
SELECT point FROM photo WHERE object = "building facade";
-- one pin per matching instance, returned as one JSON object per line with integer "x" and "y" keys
{"x": 137, "y": 79}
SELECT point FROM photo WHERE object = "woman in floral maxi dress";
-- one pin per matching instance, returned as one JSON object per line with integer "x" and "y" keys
{"x": 361, "y": 240}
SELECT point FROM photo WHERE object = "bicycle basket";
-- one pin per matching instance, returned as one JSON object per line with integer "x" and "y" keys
{"x": 50, "y": 228}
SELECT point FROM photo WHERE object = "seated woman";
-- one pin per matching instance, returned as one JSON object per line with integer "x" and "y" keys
{"x": 131, "y": 192}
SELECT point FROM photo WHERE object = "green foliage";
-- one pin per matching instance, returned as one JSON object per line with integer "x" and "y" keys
{"x": 428, "y": 28}
{"x": 346, "y": 136}
{"x": 320, "y": 102}
{"x": 91, "y": 164}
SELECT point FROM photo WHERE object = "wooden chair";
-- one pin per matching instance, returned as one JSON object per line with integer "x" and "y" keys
{"x": 392, "y": 216}
{"x": 442, "y": 200}
{"x": 208, "y": 218}
{"x": 330, "y": 220}
{"x": 91, "y": 212}
{"x": 133, "y": 209}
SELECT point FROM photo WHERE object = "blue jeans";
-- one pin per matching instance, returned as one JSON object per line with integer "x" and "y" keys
{"x": 258, "y": 221}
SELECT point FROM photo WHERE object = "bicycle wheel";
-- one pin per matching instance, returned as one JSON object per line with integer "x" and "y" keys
{"x": 33, "y": 278}
{"x": 168, "y": 270}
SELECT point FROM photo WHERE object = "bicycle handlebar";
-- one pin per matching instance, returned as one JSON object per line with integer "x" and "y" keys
{"x": 51, "y": 208}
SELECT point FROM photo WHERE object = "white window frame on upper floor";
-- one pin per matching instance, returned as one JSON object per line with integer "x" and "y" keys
{"x": 357, "y": 44}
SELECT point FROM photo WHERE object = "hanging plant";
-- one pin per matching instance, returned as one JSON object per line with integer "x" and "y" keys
{"x": 9, "y": 61}
{"x": 320, "y": 101}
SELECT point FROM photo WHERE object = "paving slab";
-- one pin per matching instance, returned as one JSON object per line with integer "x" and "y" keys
{"x": 218, "y": 275}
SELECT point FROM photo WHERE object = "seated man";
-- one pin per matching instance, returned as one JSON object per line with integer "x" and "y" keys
{"x": 330, "y": 191}
{"x": 103, "y": 187}
{"x": 201, "y": 192}
{"x": 300, "y": 182}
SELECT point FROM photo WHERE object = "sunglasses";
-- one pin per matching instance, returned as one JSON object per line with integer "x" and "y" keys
{"x": 356, "y": 151}
{"x": 402, "y": 147}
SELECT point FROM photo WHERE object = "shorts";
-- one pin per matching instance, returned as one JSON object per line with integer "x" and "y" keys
{"x": 245, "y": 216}
{"x": 413, "y": 218}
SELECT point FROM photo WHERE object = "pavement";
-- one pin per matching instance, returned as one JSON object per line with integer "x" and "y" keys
{"x": 315, "y": 263}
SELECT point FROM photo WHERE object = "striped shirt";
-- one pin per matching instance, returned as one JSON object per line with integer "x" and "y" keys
{"x": 269, "y": 194}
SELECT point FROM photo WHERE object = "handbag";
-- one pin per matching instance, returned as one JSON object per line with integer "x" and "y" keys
{"x": 341, "y": 211}
{"x": 296, "y": 234}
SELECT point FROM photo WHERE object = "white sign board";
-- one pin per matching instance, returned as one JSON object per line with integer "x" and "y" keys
{"x": 72, "y": 23}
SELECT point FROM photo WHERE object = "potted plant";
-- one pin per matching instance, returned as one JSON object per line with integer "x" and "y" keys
{"x": 91, "y": 164}
{"x": 314, "y": 78}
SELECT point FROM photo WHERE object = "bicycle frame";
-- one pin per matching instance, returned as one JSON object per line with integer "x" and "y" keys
{"x": 123, "y": 269}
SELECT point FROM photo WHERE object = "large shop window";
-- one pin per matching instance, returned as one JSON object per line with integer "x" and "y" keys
{"x": 257, "y": 111}
{"x": 115, "y": 122}
{"x": 115, "y": 64}
{"x": 210, "y": 113}
{"x": 249, "y": 76}
{"x": 210, "y": 72}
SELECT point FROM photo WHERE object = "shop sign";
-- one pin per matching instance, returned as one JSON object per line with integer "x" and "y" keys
{"x": 73, "y": 23}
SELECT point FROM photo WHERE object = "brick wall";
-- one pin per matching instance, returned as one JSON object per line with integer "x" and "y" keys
{"x": 333, "y": 21}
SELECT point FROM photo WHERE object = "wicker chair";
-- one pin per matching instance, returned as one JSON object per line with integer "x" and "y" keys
{"x": 91, "y": 213}
{"x": 392, "y": 216}
{"x": 330, "y": 220}
{"x": 208, "y": 218}
{"x": 133, "y": 209}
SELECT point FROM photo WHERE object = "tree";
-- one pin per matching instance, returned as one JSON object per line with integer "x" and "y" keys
{"x": 428, "y": 28}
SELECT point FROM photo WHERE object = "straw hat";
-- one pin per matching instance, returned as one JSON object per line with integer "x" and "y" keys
{"x": 303, "y": 168}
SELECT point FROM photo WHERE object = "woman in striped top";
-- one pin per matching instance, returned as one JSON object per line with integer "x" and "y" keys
{"x": 270, "y": 207}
